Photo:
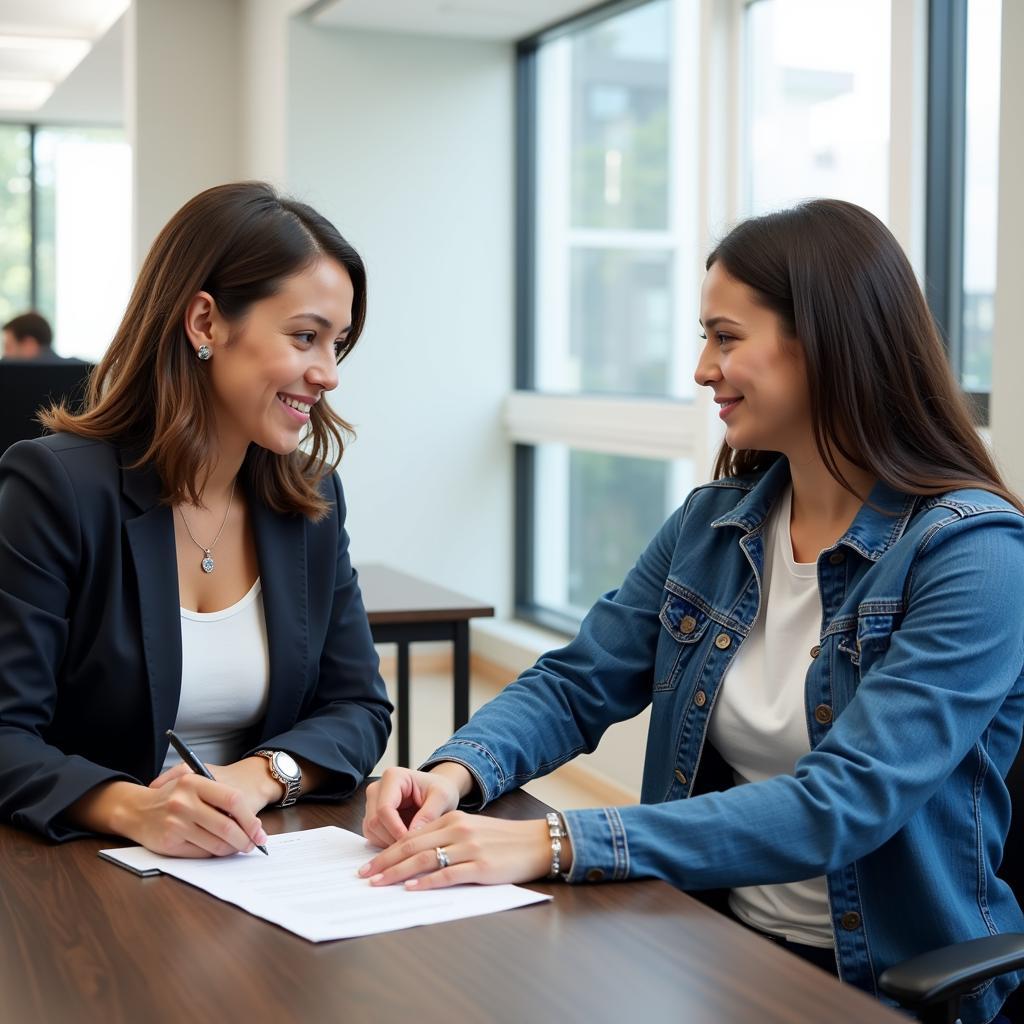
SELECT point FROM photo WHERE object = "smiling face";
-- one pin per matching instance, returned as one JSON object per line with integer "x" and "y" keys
{"x": 268, "y": 369}
{"x": 757, "y": 373}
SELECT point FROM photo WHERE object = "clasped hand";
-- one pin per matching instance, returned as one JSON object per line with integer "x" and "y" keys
{"x": 477, "y": 848}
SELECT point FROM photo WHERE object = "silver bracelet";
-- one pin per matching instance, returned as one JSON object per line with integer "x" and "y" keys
{"x": 556, "y": 831}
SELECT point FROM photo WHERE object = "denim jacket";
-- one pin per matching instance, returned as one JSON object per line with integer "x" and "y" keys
{"x": 914, "y": 700}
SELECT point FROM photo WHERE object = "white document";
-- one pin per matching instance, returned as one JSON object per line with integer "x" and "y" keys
{"x": 309, "y": 885}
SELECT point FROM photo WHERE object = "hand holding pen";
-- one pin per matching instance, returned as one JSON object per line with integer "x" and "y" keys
{"x": 188, "y": 756}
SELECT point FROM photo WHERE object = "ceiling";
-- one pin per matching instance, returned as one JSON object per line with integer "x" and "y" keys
{"x": 477, "y": 19}
{"x": 43, "y": 41}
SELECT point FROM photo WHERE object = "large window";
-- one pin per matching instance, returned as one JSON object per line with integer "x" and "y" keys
{"x": 605, "y": 246}
{"x": 65, "y": 231}
{"x": 15, "y": 221}
{"x": 607, "y": 238}
{"x": 645, "y": 130}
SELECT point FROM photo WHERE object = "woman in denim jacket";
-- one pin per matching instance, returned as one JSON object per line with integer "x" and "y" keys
{"x": 830, "y": 634}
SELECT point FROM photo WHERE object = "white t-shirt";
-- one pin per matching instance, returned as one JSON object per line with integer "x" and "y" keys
{"x": 225, "y": 679}
{"x": 759, "y": 724}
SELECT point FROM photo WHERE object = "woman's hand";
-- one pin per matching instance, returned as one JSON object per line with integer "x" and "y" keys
{"x": 478, "y": 849}
{"x": 188, "y": 816}
{"x": 403, "y": 800}
{"x": 251, "y": 777}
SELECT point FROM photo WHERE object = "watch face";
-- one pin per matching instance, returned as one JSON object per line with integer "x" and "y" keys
{"x": 286, "y": 765}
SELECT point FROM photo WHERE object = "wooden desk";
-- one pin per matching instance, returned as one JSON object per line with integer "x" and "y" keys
{"x": 84, "y": 941}
{"x": 403, "y": 609}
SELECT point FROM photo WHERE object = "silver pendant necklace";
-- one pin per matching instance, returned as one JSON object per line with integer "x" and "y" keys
{"x": 208, "y": 564}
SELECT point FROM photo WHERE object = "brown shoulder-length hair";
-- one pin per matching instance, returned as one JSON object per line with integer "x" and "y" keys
{"x": 882, "y": 394}
{"x": 149, "y": 392}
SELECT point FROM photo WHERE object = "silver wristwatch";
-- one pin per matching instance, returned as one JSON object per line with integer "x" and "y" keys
{"x": 285, "y": 770}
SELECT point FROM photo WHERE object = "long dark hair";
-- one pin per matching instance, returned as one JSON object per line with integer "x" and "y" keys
{"x": 238, "y": 242}
{"x": 882, "y": 394}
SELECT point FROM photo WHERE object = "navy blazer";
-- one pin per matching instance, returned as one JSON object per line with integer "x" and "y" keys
{"x": 90, "y": 633}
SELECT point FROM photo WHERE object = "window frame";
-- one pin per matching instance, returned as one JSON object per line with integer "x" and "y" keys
{"x": 33, "y": 208}
{"x": 34, "y": 128}
{"x": 680, "y": 428}
{"x": 663, "y": 428}
{"x": 945, "y": 195}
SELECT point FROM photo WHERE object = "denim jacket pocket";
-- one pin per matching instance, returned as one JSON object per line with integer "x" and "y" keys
{"x": 684, "y": 625}
{"x": 864, "y": 642}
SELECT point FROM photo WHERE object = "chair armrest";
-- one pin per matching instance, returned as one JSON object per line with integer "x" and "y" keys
{"x": 952, "y": 970}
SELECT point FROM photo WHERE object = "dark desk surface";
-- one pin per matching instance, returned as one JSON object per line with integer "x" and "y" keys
{"x": 391, "y": 597}
{"x": 82, "y": 940}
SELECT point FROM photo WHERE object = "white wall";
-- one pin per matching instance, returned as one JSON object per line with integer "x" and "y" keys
{"x": 1007, "y": 409}
{"x": 181, "y": 105}
{"x": 405, "y": 143}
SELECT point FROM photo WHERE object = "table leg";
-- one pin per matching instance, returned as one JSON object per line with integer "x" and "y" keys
{"x": 403, "y": 703}
{"x": 461, "y": 673}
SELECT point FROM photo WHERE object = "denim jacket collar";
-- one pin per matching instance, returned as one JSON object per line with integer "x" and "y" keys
{"x": 879, "y": 523}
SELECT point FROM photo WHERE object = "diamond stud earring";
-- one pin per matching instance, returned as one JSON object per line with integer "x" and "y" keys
{"x": 204, "y": 352}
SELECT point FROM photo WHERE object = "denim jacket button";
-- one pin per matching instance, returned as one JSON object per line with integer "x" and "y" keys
{"x": 823, "y": 714}
{"x": 595, "y": 875}
{"x": 850, "y": 920}
{"x": 680, "y": 776}
{"x": 722, "y": 641}
{"x": 815, "y": 650}
{"x": 687, "y": 624}
{"x": 700, "y": 698}
{"x": 837, "y": 557}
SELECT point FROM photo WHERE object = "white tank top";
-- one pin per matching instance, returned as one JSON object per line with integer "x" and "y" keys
{"x": 759, "y": 724}
{"x": 225, "y": 679}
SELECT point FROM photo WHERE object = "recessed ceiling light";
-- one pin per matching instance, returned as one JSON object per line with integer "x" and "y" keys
{"x": 62, "y": 44}
{"x": 23, "y": 94}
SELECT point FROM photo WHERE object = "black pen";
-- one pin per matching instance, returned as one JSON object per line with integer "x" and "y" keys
{"x": 188, "y": 755}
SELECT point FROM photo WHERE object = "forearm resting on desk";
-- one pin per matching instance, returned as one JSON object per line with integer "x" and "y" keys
{"x": 111, "y": 806}
{"x": 466, "y": 784}
{"x": 106, "y": 808}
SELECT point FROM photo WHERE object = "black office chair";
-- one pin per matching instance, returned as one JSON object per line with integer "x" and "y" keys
{"x": 26, "y": 386}
{"x": 930, "y": 985}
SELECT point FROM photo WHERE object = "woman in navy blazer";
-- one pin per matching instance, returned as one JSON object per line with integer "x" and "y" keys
{"x": 242, "y": 310}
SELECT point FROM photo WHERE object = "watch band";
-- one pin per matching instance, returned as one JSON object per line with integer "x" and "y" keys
{"x": 291, "y": 785}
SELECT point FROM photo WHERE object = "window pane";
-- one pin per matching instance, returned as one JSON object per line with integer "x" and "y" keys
{"x": 83, "y": 178}
{"x": 594, "y": 515}
{"x": 621, "y": 337}
{"x": 15, "y": 223}
{"x": 817, "y": 103}
{"x": 620, "y": 87}
{"x": 605, "y": 238}
{"x": 980, "y": 191}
